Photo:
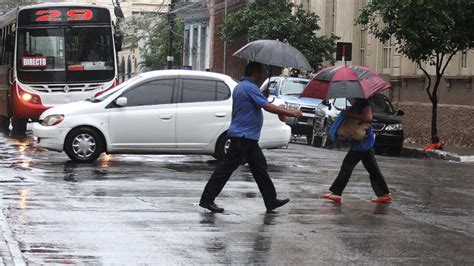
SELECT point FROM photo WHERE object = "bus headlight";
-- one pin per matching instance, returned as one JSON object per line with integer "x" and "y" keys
{"x": 26, "y": 97}
{"x": 52, "y": 120}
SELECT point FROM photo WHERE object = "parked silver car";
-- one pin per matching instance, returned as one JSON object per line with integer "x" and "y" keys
{"x": 313, "y": 124}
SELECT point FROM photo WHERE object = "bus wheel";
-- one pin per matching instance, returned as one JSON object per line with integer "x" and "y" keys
{"x": 4, "y": 123}
{"x": 19, "y": 126}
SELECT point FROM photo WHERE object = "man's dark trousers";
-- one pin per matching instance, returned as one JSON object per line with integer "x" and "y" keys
{"x": 240, "y": 150}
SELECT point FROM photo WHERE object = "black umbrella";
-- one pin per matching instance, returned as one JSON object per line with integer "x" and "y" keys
{"x": 274, "y": 53}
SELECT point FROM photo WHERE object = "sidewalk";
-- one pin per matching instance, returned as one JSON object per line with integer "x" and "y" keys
{"x": 457, "y": 154}
{"x": 10, "y": 253}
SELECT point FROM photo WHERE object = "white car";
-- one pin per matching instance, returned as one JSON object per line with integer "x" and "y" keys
{"x": 158, "y": 112}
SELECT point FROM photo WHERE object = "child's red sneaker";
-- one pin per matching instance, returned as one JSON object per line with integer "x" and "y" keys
{"x": 333, "y": 197}
{"x": 384, "y": 199}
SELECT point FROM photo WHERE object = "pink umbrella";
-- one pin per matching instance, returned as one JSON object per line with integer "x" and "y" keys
{"x": 345, "y": 82}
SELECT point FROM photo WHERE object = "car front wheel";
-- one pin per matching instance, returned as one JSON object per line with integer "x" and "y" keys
{"x": 84, "y": 145}
{"x": 321, "y": 141}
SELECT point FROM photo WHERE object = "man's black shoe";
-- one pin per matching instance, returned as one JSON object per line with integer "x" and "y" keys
{"x": 211, "y": 206}
{"x": 277, "y": 203}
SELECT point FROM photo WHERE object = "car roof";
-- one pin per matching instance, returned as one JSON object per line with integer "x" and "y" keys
{"x": 181, "y": 72}
{"x": 288, "y": 78}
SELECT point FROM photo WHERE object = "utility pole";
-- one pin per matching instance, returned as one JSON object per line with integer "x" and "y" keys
{"x": 224, "y": 67}
{"x": 171, "y": 17}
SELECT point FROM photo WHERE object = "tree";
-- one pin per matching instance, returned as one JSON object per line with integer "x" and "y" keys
{"x": 278, "y": 19}
{"x": 150, "y": 36}
{"x": 426, "y": 31}
{"x": 156, "y": 50}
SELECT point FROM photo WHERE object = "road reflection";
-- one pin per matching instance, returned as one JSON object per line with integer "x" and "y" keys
{"x": 24, "y": 195}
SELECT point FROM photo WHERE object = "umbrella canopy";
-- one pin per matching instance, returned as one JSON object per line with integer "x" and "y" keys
{"x": 345, "y": 82}
{"x": 275, "y": 53}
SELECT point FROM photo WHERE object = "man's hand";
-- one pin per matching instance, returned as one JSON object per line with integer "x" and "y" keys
{"x": 296, "y": 113}
{"x": 282, "y": 111}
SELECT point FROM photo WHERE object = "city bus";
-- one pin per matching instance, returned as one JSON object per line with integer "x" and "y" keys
{"x": 52, "y": 54}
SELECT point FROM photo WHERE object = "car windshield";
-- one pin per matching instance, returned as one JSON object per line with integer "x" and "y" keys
{"x": 117, "y": 88}
{"x": 65, "y": 54}
{"x": 293, "y": 87}
{"x": 380, "y": 104}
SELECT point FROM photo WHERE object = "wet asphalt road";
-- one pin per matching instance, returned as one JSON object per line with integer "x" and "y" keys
{"x": 130, "y": 209}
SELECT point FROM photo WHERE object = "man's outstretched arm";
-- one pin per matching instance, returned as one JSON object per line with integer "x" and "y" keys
{"x": 282, "y": 111}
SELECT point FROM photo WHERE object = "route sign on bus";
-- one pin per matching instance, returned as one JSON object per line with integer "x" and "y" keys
{"x": 63, "y": 15}
{"x": 34, "y": 62}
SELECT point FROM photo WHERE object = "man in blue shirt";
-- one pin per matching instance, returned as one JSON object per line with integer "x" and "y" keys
{"x": 244, "y": 132}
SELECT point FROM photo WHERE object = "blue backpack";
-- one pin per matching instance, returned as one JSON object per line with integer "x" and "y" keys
{"x": 367, "y": 143}
{"x": 335, "y": 126}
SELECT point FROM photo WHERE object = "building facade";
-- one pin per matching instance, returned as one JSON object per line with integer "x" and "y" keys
{"x": 221, "y": 58}
{"x": 197, "y": 34}
{"x": 408, "y": 81}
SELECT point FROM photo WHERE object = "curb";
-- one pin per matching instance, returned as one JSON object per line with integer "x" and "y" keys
{"x": 436, "y": 154}
{"x": 11, "y": 253}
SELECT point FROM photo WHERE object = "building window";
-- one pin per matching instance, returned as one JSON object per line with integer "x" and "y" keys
{"x": 333, "y": 17}
{"x": 362, "y": 44}
{"x": 387, "y": 53}
{"x": 464, "y": 59}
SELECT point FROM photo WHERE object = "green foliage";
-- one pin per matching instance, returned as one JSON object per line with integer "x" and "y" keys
{"x": 423, "y": 29}
{"x": 431, "y": 31}
{"x": 150, "y": 35}
{"x": 263, "y": 19}
{"x": 156, "y": 49}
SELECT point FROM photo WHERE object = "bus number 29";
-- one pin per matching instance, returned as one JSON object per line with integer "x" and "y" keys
{"x": 72, "y": 15}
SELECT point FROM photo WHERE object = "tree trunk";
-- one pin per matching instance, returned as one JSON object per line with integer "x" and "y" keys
{"x": 434, "y": 110}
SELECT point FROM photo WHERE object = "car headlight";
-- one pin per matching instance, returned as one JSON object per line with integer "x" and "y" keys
{"x": 394, "y": 127}
{"x": 292, "y": 106}
{"x": 52, "y": 120}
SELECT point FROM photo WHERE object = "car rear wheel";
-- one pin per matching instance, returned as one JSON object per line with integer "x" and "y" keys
{"x": 222, "y": 145}
{"x": 395, "y": 151}
{"x": 84, "y": 145}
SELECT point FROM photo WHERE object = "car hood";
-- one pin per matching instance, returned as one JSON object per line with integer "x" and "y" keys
{"x": 81, "y": 107}
{"x": 301, "y": 101}
{"x": 386, "y": 118}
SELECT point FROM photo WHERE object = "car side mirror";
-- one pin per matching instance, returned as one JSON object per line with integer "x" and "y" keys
{"x": 121, "y": 101}
{"x": 400, "y": 113}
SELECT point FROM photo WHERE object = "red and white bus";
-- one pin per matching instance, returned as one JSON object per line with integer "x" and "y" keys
{"x": 53, "y": 54}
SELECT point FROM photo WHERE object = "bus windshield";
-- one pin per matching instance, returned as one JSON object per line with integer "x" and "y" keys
{"x": 65, "y": 55}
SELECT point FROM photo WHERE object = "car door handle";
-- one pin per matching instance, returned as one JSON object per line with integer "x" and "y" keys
{"x": 166, "y": 117}
{"x": 220, "y": 115}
